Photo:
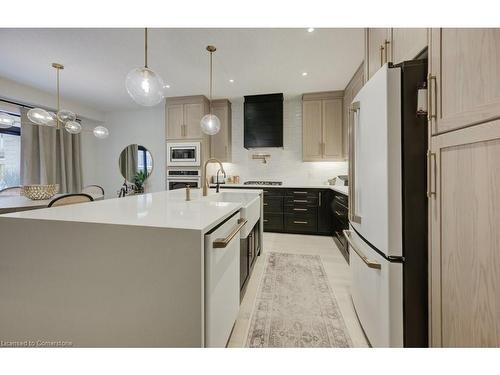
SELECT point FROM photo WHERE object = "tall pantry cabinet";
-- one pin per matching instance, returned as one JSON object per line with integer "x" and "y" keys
{"x": 464, "y": 187}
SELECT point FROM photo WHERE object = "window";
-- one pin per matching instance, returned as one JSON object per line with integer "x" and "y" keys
{"x": 10, "y": 155}
{"x": 144, "y": 160}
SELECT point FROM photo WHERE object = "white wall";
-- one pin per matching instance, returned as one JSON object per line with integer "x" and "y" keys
{"x": 145, "y": 127}
{"x": 285, "y": 164}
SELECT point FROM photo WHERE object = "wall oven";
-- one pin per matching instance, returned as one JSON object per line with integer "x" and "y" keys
{"x": 182, "y": 178}
{"x": 185, "y": 154}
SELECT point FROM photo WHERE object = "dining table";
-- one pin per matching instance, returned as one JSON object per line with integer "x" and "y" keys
{"x": 16, "y": 203}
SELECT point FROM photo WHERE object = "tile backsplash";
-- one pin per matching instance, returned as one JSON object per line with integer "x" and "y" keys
{"x": 285, "y": 164}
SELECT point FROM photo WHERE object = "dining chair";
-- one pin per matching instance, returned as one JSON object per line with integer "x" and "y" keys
{"x": 67, "y": 199}
{"x": 94, "y": 190}
{"x": 12, "y": 190}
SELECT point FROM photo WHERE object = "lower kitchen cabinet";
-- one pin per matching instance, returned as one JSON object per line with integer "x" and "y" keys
{"x": 301, "y": 211}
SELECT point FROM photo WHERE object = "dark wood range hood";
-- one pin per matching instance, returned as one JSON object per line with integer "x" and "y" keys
{"x": 263, "y": 121}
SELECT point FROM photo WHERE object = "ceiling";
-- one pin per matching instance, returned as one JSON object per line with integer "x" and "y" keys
{"x": 258, "y": 60}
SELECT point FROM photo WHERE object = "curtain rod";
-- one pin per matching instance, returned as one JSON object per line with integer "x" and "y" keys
{"x": 30, "y": 106}
{"x": 16, "y": 103}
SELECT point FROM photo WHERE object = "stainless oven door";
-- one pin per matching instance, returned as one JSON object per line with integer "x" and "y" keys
{"x": 173, "y": 184}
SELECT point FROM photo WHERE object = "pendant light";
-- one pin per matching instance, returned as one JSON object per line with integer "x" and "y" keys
{"x": 6, "y": 120}
{"x": 143, "y": 85}
{"x": 210, "y": 124}
{"x": 63, "y": 117}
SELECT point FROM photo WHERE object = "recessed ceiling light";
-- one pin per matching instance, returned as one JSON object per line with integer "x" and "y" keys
{"x": 167, "y": 86}
{"x": 310, "y": 30}
{"x": 304, "y": 74}
{"x": 231, "y": 80}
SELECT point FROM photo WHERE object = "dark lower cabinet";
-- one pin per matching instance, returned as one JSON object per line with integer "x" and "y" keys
{"x": 298, "y": 210}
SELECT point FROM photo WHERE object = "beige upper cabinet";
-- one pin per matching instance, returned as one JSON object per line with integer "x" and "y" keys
{"x": 351, "y": 90}
{"x": 378, "y": 49}
{"x": 183, "y": 116}
{"x": 175, "y": 121}
{"x": 465, "y": 238}
{"x": 464, "y": 84}
{"x": 407, "y": 43}
{"x": 220, "y": 144}
{"x": 322, "y": 126}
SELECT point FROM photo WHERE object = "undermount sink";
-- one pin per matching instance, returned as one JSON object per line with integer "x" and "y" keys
{"x": 250, "y": 209}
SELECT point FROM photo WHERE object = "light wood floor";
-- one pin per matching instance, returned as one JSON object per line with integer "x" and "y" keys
{"x": 335, "y": 266}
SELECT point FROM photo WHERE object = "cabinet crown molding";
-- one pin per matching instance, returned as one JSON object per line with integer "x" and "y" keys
{"x": 323, "y": 95}
{"x": 186, "y": 99}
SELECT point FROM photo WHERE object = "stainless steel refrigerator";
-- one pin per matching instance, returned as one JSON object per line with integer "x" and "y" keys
{"x": 388, "y": 207}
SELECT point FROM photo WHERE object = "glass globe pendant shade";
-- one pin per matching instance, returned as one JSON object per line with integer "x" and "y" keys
{"x": 6, "y": 120}
{"x": 210, "y": 124}
{"x": 144, "y": 86}
{"x": 64, "y": 115}
{"x": 39, "y": 116}
{"x": 101, "y": 132}
{"x": 52, "y": 121}
{"x": 73, "y": 127}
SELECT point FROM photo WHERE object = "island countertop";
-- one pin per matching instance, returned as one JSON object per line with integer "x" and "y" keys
{"x": 165, "y": 209}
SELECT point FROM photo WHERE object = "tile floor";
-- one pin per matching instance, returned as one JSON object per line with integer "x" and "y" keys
{"x": 335, "y": 266}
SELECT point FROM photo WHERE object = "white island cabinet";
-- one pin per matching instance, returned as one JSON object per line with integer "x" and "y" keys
{"x": 126, "y": 272}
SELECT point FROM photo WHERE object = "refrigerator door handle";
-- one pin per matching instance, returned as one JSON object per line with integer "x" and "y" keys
{"x": 355, "y": 109}
{"x": 368, "y": 262}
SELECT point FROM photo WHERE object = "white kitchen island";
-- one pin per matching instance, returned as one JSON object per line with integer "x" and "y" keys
{"x": 123, "y": 272}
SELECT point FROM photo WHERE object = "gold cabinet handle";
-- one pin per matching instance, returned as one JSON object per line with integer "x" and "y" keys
{"x": 300, "y": 192}
{"x": 300, "y": 200}
{"x": 220, "y": 243}
{"x": 300, "y": 209}
{"x": 319, "y": 199}
{"x": 432, "y": 97}
{"x": 381, "y": 55}
{"x": 265, "y": 204}
{"x": 300, "y": 222}
{"x": 265, "y": 220}
{"x": 431, "y": 156}
{"x": 368, "y": 262}
{"x": 386, "y": 50}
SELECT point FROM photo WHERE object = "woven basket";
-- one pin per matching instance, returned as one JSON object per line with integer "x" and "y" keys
{"x": 39, "y": 192}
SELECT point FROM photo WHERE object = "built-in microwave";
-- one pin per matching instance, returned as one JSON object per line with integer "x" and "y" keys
{"x": 185, "y": 154}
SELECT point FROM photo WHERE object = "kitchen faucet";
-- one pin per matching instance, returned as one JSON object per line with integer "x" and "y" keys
{"x": 205, "y": 184}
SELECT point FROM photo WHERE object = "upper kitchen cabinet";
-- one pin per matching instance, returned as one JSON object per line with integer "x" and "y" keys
{"x": 322, "y": 126}
{"x": 220, "y": 143}
{"x": 378, "y": 49}
{"x": 183, "y": 116}
{"x": 351, "y": 90}
{"x": 407, "y": 43}
{"x": 464, "y": 67}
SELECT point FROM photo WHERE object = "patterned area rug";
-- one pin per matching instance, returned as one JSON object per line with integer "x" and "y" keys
{"x": 295, "y": 306}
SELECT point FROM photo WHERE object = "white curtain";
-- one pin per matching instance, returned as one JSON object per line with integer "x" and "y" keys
{"x": 50, "y": 156}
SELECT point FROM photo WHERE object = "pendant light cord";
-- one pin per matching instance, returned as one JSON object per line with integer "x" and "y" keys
{"x": 58, "y": 99}
{"x": 211, "y": 82}
{"x": 146, "y": 47}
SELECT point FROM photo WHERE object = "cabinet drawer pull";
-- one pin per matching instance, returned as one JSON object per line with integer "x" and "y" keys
{"x": 265, "y": 220}
{"x": 300, "y": 209}
{"x": 300, "y": 192}
{"x": 301, "y": 200}
{"x": 300, "y": 222}
{"x": 265, "y": 204}
{"x": 221, "y": 243}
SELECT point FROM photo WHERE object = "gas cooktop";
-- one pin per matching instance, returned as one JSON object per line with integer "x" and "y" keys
{"x": 263, "y": 183}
